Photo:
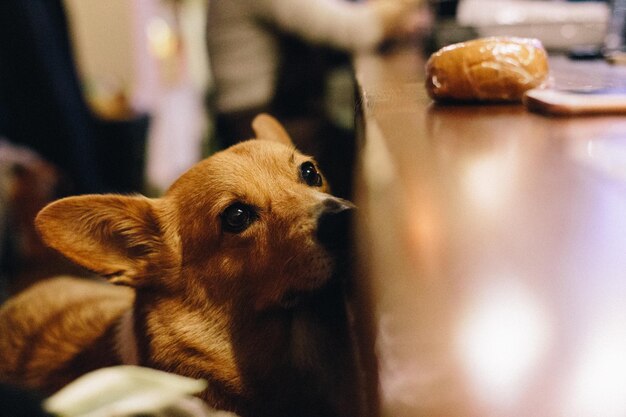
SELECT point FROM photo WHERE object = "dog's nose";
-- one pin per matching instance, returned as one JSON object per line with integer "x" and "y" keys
{"x": 333, "y": 228}
{"x": 335, "y": 205}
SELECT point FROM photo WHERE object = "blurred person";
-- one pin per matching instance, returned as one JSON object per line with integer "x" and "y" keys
{"x": 43, "y": 106}
{"x": 41, "y": 102}
{"x": 275, "y": 56}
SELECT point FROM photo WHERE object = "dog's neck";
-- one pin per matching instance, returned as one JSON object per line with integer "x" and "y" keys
{"x": 290, "y": 345}
{"x": 125, "y": 339}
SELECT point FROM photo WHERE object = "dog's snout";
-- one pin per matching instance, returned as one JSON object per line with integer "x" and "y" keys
{"x": 333, "y": 229}
{"x": 333, "y": 205}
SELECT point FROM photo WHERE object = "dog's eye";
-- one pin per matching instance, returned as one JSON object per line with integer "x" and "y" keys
{"x": 237, "y": 217}
{"x": 309, "y": 174}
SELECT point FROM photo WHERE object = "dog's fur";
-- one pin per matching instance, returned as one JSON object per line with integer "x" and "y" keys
{"x": 255, "y": 313}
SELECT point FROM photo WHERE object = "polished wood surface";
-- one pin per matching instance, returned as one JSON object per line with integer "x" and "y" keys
{"x": 492, "y": 247}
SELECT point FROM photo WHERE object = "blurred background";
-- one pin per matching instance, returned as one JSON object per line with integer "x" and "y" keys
{"x": 561, "y": 25}
{"x": 94, "y": 97}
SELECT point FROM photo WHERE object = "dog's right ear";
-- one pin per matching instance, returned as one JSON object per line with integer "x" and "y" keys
{"x": 115, "y": 236}
{"x": 268, "y": 128}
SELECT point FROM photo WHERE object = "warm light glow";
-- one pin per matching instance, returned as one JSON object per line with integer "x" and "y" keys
{"x": 502, "y": 335}
{"x": 598, "y": 386}
{"x": 161, "y": 38}
{"x": 487, "y": 181}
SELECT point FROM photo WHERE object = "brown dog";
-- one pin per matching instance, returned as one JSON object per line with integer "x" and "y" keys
{"x": 223, "y": 278}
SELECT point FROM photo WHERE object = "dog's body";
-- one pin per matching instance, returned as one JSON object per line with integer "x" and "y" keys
{"x": 224, "y": 278}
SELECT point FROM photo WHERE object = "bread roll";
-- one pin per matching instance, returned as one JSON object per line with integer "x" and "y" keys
{"x": 487, "y": 69}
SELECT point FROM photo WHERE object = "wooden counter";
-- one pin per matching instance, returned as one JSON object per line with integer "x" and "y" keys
{"x": 492, "y": 250}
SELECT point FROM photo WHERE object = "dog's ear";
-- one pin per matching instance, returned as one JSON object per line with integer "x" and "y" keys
{"x": 267, "y": 127}
{"x": 111, "y": 235}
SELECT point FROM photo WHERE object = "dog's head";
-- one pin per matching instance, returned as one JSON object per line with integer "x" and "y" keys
{"x": 240, "y": 226}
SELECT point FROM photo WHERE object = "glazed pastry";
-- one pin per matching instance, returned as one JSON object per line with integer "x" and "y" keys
{"x": 487, "y": 69}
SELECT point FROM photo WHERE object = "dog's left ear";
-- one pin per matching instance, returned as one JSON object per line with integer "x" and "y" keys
{"x": 118, "y": 237}
{"x": 268, "y": 128}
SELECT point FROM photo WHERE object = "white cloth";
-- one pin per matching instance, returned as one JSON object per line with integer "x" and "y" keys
{"x": 243, "y": 48}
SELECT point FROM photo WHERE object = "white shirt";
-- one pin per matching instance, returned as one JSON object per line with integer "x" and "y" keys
{"x": 244, "y": 51}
